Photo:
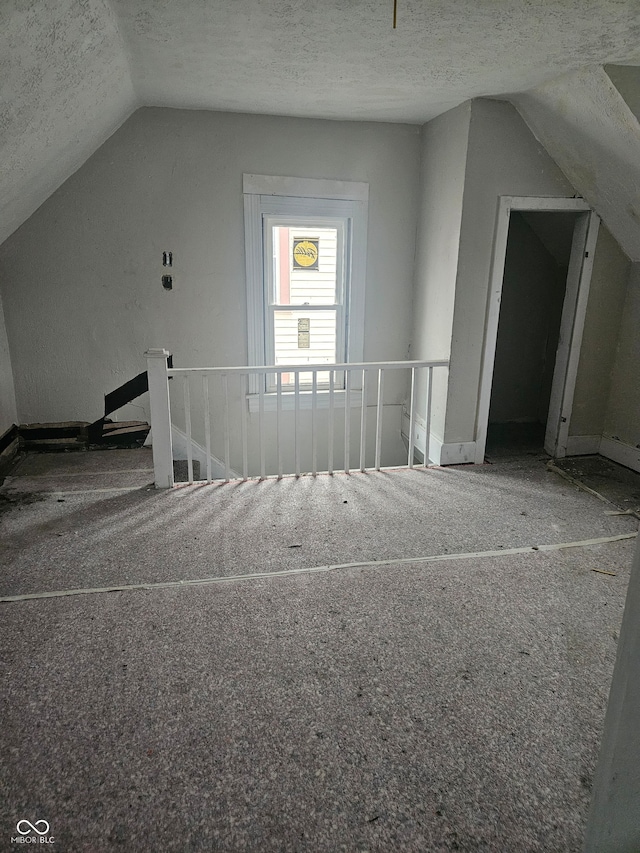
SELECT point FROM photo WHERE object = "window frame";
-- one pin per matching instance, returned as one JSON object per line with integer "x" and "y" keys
{"x": 270, "y": 196}
{"x": 340, "y": 304}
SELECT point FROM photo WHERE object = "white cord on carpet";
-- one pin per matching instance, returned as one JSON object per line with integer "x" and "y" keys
{"x": 531, "y": 549}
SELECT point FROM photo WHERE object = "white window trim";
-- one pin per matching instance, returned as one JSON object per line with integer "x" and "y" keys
{"x": 304, "y": 187}
{"x": 264, "y": 194}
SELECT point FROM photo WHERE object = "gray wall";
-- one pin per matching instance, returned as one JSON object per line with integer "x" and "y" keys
{"x": 444, "y": 157}
{"x": 503, "y": 158}
{"x": 81, "y": 278}
{"x": 622, "y": 419}
{"x": 8, "y": 414}
{"x": 530, "y": 310}
{"x": 609, "y": 278}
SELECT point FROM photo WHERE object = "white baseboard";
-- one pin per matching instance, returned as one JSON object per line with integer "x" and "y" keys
{"x": 618, "y": 451}
{"x": 460, "y": 453}
{"x": 457, "y": 453}
{"x": 605, "y": 445}
{"x": 583, "y": 445}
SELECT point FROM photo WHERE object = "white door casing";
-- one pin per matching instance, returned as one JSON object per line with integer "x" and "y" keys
{"x": 574, "y": 310}
{"x": 572, "y": 323}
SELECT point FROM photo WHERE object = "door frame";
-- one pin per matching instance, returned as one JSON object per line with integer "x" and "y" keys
{"x": 572, "y": 323}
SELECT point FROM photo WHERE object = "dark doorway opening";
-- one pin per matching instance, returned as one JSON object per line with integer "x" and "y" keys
{"x": 533, "y": 291}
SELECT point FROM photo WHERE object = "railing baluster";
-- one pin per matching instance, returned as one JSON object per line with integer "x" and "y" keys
{"x": 244, "y": 384}
{"x": 187, "y": 421}
{"x": 332, "y": 379}
{"x": 363, "y": 420}
{"x": 305, "y": 451}
{"x": 296, "y": 423}
{"x": 314, "y": 443}
{"x": 427, "y": 429}
{"x": 278, "y": 426}
{"x": 227, "y": 449}
{"x": 261, "y": 424}
{"x": 207, "y": 423}
{"x": 347, "y": 418}
{"x": 412, "y": 426}
{"x": 379, "y": 413}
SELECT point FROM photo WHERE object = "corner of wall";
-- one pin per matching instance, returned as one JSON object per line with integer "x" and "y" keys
{"x": 503, "y": 158}
{"x": 443, "y": 157}
{"x": 444, "y": 144}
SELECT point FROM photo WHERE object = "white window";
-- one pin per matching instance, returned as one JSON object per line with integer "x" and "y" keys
{"x": 305, "y": 251}
{"x": 305, "y": 287}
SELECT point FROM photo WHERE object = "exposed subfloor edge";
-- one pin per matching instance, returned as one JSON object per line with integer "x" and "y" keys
{"x": 529, "y": 549}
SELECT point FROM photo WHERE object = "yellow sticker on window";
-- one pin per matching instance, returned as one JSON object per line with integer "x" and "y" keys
{"x": 305, "y": 254}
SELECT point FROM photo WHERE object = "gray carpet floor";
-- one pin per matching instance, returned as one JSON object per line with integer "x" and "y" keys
{"x": 440, "y": 705}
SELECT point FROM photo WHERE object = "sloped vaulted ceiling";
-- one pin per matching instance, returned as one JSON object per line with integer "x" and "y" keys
{"x": 71, "y": 71}
{"x": 65, "y": 86}
{"x": 592, "y": 133}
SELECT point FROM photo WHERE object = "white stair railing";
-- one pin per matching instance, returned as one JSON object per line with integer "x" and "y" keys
{"x": 253, "y": 430}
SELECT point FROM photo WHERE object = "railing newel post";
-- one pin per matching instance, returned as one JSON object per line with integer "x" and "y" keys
{"x": 160, "y": 414}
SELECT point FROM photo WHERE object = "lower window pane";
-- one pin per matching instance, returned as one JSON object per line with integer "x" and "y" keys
{"x": 305, "y": 338}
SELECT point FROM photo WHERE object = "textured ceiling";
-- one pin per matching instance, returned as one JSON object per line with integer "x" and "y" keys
{"x": 71, "y": 71}
{"x": 65, "y": 86}
{"x": 343, "y": 60}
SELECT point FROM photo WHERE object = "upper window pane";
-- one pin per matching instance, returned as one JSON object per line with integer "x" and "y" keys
{"x": 306, "y": 265}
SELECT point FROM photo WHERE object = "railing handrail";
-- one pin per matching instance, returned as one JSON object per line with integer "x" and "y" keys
{"x": 373, "y": 380}
{"x": 305, "y": 368}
